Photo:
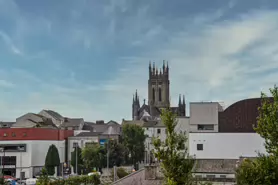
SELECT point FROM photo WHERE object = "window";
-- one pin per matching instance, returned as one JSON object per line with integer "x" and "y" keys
{"x": 159, "y": 94}
{"x": 200, "y": 147}
{"x": 158, "y": 131}
{"x": 153, "y": 94}
{"x": 205, "y": 127}
{"x": 222, "y": 176}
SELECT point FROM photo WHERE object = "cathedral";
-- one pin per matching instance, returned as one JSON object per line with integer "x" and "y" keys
{"x": 158, "y": 96}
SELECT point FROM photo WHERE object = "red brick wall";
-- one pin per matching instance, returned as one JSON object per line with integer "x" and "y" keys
{"x": 34, "y": 134}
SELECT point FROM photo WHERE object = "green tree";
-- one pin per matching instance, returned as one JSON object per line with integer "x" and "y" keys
{"x": 43, "y": 179}
{"x": 133, "y": 138}
{"x": 175, "y": 162}
{"x": 264, "y": 169}
{"x": 52, "y": 159}
{"x": 92, "y": 156}
{"x": 79, "y": 160}
{"x": 116, "y": 153}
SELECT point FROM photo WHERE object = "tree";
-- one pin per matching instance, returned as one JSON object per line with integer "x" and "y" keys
{"x": 92, "y": 156}
{"x": 43, "y": 179}
{"x": 264, "y": 169}
{"x": 79, "y": 160}
{"x": 52, "y": 159}
{"x": 175, "y": 162}
{"x": 116, "y": 153}
{"x": 133, "y": 138}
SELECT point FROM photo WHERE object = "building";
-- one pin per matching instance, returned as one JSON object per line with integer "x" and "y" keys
{"x": 98, "y": 132}
{"x": 32, "y": 120}
{"x": 24, "y": 149}
{"x": 225, "y": 145}
{"x": 158, "y": 95}
{"x": 240, "y": 116}
{"x": 204, "y": 116}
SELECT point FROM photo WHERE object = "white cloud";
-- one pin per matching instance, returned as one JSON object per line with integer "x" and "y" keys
{"x": 8, "y": 41}
{"x": 225, "y": 60}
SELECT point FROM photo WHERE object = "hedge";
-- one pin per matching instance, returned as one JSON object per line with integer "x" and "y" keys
{"x": 76, "y": 180}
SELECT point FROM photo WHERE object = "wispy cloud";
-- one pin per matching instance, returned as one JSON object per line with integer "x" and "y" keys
{"x": 87, "y": 59}
{"x": 8, "y": 41}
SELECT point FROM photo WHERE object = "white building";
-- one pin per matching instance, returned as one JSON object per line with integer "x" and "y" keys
{"x": 204, "y": 116}
{"x": 225, "y": 145}
{"x": 25, "y": 149}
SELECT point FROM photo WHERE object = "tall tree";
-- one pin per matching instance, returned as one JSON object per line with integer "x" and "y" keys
{"x": 79, "y": 160}
{"x": 133, "y": 138}
{"x": 175, "y": 162}
{"x": 52, "y": 159}
{"x": 92, "y": 156}
{"x": 264, "y": 169}
{"x": 116, "y": 153}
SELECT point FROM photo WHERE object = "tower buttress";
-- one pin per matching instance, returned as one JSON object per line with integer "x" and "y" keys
{"x": 135, "y": 106}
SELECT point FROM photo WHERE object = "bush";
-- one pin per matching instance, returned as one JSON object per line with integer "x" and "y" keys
{"x": 121, "y": 172}
{"x": 77, "y": 180}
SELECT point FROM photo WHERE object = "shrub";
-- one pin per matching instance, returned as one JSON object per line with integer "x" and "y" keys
{"x": 77, "y": 180}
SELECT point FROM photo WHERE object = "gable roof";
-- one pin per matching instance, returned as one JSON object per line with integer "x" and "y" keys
{"x": 54, "y": 114}
{"x": 72, "y": 122}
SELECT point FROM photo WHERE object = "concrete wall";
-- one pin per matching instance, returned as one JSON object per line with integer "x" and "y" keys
{"x": 204, "y": 113}
{"x": 34, "y": 156}
{"x": 225, "y": 145}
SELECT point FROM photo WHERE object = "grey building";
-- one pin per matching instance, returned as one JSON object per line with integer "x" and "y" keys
{"x": 158, "y": 95}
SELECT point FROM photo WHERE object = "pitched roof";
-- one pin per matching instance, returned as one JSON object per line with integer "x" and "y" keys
{"x": 111, "y": 131}
{"x": 54, "y": 114}
{"x": 6, "y": 124}
{"x": 72, "y": 122}
{"x": 215, "y": 165}
{"x": 87, "y": 134}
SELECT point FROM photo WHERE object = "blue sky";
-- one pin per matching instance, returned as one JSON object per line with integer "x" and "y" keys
{"x": 86, "y": 58}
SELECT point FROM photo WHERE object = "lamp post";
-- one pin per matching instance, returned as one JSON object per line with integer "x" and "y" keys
{"x": 20, "y": 148}
{"x": 75, "y": 145}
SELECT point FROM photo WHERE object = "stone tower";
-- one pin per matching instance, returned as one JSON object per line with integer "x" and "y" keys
{"x": 159, "y": 86}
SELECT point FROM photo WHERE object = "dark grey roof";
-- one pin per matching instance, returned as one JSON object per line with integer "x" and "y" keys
{"x": 6, "y": 124}
{"x": 88, "y": 126}
{"x": 72, "y": 122}
{"x": 215, "y": 165}
{"x": 54, "y": 114}
{"x": 87, "y": 134}
{"x": 149, "y": 123}
{"x": 111, "y": 122}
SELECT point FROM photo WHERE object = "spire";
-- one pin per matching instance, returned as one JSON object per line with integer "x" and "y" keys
{"x": 136, "y": 96}
{"x": 153, "y": 68}
{"x": 133, "y": 100}
{"x": 144, "y": 101}
{"x": 179, "y": 99}
{"x": 183, "y": 101}
{"x": 163, "y": 67}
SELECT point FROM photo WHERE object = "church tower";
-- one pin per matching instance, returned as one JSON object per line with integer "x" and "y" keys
{"x": 159, "y": 86}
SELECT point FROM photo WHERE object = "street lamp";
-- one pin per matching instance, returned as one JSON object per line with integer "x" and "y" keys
{"x": 21, "y": 149}
{"x": 75, "y": 145}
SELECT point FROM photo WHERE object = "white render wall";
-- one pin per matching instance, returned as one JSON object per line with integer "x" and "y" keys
{"x": 204, "y": 113}
{"x": 225, "y": 145}
{"x": 34, "y": 156}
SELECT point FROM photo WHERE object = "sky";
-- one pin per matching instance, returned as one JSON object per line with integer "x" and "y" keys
{"x": 86, "y": 58}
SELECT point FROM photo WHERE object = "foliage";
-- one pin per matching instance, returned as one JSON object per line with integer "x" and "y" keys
{"x": 121, "y": 172}
{"x": 264, "y": 169}
{"x": 43, "y": 179}
{"x": 116, "y": 153}
{"x": 175, "y": 163}
{"x": 92, "y": 157}
{"x": 79, "y": 160}
{"x": 52, "y": 159}
{"x": 133, "y": 138}
{"x": 76, "y": 180}
{"x": 268, "y": 121}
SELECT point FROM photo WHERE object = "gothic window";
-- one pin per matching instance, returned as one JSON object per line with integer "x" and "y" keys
{"x": 153, "y": 94}
{"x": 159, "y": 94}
